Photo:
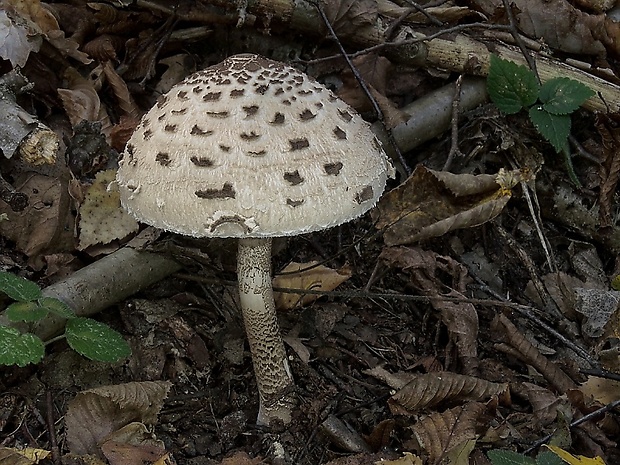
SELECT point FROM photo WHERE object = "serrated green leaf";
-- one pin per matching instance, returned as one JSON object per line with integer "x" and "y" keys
{"x": 25, "y": 311}
{"x": 19, "y": 349}
{"x": 561, "y": 96}
{"x": 554, "y": 128}
{"x": 508, "y": 457}
{"x": 511, "y": 87}
{"x": 95, "y": 340}
{"x": 18, "y": 288}
{"x": 546, "y": 457}
{"x": 57, "y": 307}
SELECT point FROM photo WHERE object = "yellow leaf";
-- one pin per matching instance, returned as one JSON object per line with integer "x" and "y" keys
{"x": 572, "y": 460}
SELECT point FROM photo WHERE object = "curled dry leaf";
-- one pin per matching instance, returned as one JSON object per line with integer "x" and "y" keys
{"x": 102, "y": 219}
{"x": 17, "y": 39}
{"x": 425, "y": 269}
{"x": 47, "y": 224}
{"x": 125, "y": 100}
{"x": 80, "y": 99}
{"x": 311, "y": 276}
{"x": 93, "y": 414}
{"x": 347, "y": 17}
{"x": 562, "y": 26}
{"x": 504, "y": 329}
{"x": 430, "y": 389}
{"x": 431, "y": 203}
{"x": 609, "y": 171}
{"x": 374, "y": 71}
{"x": 440, "y": 433}
{"x": 133, "y": 444}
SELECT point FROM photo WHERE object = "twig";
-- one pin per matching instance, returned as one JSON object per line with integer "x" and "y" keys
{"x": 51, "y": 427}
{"x": 362, "y": 84}
{"x": 454, "y": 145}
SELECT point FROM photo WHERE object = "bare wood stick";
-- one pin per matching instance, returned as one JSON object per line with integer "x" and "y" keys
{"x": 102, "y": 284}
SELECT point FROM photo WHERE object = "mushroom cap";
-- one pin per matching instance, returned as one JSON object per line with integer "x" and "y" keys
{"x": 251, "y": 147}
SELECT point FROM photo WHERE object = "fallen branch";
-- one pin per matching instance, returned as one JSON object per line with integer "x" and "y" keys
{"x": 102, "y": 284}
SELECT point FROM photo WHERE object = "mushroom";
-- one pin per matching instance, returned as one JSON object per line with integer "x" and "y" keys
{"x": 252, "y": 148}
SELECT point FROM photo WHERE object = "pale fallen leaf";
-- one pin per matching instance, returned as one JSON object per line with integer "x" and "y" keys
{"x": 306, "y": 276}
{"x": 102, "y": 219}
{"x": 17, "y": 40}
{"x": 26, "y": 456}
{"x": 603, "y": 390}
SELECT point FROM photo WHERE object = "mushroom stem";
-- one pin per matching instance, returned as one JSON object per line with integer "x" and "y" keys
{"x": 273, "y": 375}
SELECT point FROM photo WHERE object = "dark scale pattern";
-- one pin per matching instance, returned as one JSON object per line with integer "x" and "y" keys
{"x": 226, "y": 192}
{"x": 198, "y": 131}
{"x": 293, "y": 178}
{"x": 299, "y": 144}
{"x": 339, "y": 133}
{"x": 278, "y": 118}
{"x": 202, "y": 161}
{"x": 163, "y": 159}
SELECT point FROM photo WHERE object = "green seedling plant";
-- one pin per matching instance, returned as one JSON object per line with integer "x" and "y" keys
{"x": 514, "y": 87}
{"x": 90, "y": 338}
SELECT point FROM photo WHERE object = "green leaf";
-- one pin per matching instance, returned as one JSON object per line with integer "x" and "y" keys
{"x": 554, "y": 128}
{"x": 18, "y": 288}
{"x": 25, "y": 311}
{"x": 57, "y": 307}
{"x": 561, "y": 96}
{"x": 508, "y": 457}
{"x": 546, "y": 457}
{"x": 511, "y": 86}
{"x": 19, "y": 349}
{"x": 96, "y": 340}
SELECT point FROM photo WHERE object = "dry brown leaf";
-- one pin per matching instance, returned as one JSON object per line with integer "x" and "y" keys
{"x": 241, "y": 458}
{"x": 544, "y": 404}
{"x": 505, "y": 330}
{"x": 407, "y": 459}
{"x": 431, "y": 203}
{"x": 561, "y": 25}
{"x": 347, "y": 17}
{"x": 311, "y": 276}
{"x": 47, "y": 224}
{"x": 104, "y": 47}
{"x": 602, "y": 390}
{"x": 133, "y": 444}
{"x": 125, "y": 100}
{"x": 426, "y": 269}
{"x": 80, "y": 99}
{"x": 374, "y": 70}
{"x": 608, "y": 126}
{"x": 430, "y": 389}
{"x": 439, "y": 433}
{"x": 93, "y": 414}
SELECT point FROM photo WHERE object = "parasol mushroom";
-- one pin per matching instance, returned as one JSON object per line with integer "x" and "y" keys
{"x": 252, "y": 148}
